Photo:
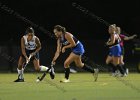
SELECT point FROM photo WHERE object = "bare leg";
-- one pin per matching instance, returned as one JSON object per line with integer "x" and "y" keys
{"x": 20, "y": 70}
{"x": 109, "y": 59}
{"x": 109, "y": 62}
{"x": 20, "y": 67}
{"x": 79, "y": 63}
{"x": 67, "y": 62}
{"x": 116, "y": 62}
{"x": 38, "y": 67}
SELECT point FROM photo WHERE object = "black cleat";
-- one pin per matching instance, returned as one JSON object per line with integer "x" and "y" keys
{"x": 19, "y": 80}
{"x": 52, "y": 73}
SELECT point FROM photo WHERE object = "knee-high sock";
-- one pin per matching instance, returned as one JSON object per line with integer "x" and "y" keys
{"x": 67, "y": 72}
{"x": 88, "y": 68}
{"x": 20, "y": 73}
{"x": 121, "y": 69}
{"x": 124, "y": 67}
{"x": 113, "y": 68}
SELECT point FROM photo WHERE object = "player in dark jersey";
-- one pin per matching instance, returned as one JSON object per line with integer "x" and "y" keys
{"x": 66, "y": 40}
{"x": 123, "y": 38}
{"x": 114, "y": 56}
{"x": 30, "y": 45}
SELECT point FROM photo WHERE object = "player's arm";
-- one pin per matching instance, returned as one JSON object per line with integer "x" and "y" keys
{"x": 23, "y": 49}
{"x": 112, "y": 41}
{"x": 70, "y": 40}
{"x": 38, "y": 45}
{"x": 57, "y": 53}
{"x": 130, "y": 37}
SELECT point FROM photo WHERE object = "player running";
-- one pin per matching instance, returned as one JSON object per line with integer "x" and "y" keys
{"x": 123, "y": 38}
{"x": 66, "y": 40}
{"x": 30, "y": 45}
{"x": 113, "y": 59}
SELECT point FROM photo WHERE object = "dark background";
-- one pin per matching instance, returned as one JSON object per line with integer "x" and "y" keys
{"x": 47, "y": 13}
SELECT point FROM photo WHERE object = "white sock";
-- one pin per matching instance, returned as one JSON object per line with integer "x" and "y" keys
{"x": 43, "y": 68}
{"x": 20, "y": 73}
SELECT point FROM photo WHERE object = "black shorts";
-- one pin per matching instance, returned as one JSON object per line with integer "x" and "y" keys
{"x": 28, "y": 52}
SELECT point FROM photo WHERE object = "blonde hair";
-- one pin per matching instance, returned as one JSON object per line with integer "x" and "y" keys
{"x": 118, "y": 30}
{"x": 113, "y": 26}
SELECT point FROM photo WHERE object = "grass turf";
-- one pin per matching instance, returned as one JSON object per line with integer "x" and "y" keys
{"x": 81, "y": 87}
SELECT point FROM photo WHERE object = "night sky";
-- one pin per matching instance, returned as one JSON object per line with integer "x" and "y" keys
{"x": 43, "y": 15}
{"x": 47, "y": 13}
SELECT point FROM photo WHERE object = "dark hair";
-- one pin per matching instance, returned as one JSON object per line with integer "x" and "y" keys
{"x": 29, "y": 30}
{"x": 60, "y": 28}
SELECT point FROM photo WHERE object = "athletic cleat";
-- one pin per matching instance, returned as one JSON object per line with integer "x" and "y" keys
{"x": 122, "y": 75}
{"x": 64, "y": 80}
{"x": 52, "y": 73}
{"x": 125, "y": 75}
{"x": 95, "y": 74}
{"x": 73, "y": 70}
{"x": 115, "y": 74}
{"x": 19, "y": 80}
{"x": 127, "y": 71}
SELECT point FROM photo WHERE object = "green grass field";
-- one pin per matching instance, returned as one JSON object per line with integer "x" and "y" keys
{"x": 81, "y": 87}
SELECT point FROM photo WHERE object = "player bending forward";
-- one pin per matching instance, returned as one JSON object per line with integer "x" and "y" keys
{"x": 67, "y": 40}
{"x": 30, "y": 45}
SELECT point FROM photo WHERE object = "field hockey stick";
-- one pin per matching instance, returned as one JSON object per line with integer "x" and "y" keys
{"x": 26, "y": 63}
{"x": 44, "y": 74}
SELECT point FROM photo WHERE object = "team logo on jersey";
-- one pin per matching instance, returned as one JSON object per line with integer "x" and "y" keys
{"x": 65, "y": 43}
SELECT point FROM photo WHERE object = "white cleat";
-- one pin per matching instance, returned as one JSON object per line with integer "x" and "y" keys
{"x": 73, "y": 70}
{"x": 127, "y": 71}
{"x": 123, "y": 75}
{"x": 64, "y": 80}
{"x": 115, "y": 74}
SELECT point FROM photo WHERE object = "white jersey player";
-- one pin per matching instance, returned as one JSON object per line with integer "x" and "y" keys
{"x": 30, "y": 45}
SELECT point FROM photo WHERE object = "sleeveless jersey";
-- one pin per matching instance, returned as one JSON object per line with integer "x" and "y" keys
{"x": 117, "y": 40}
{"x": 30, "y": 45}
{"x": 65, "y": 42}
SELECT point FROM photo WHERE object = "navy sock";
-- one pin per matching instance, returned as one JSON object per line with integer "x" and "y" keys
{"x": 113, "y": 68}
{"x": 120, "y": 67}
{"x": 88, "y": 68}
{"x": 124, "y": 67}
{"x": 67, "y": 72}
{"x": 109, "y": 67}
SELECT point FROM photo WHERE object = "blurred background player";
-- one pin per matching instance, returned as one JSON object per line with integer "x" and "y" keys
{"x": 123, "y": 38}
{"x": 113, "y": 59}
{"x": 30, "y": 45}
{"x": 67, "y": 40}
